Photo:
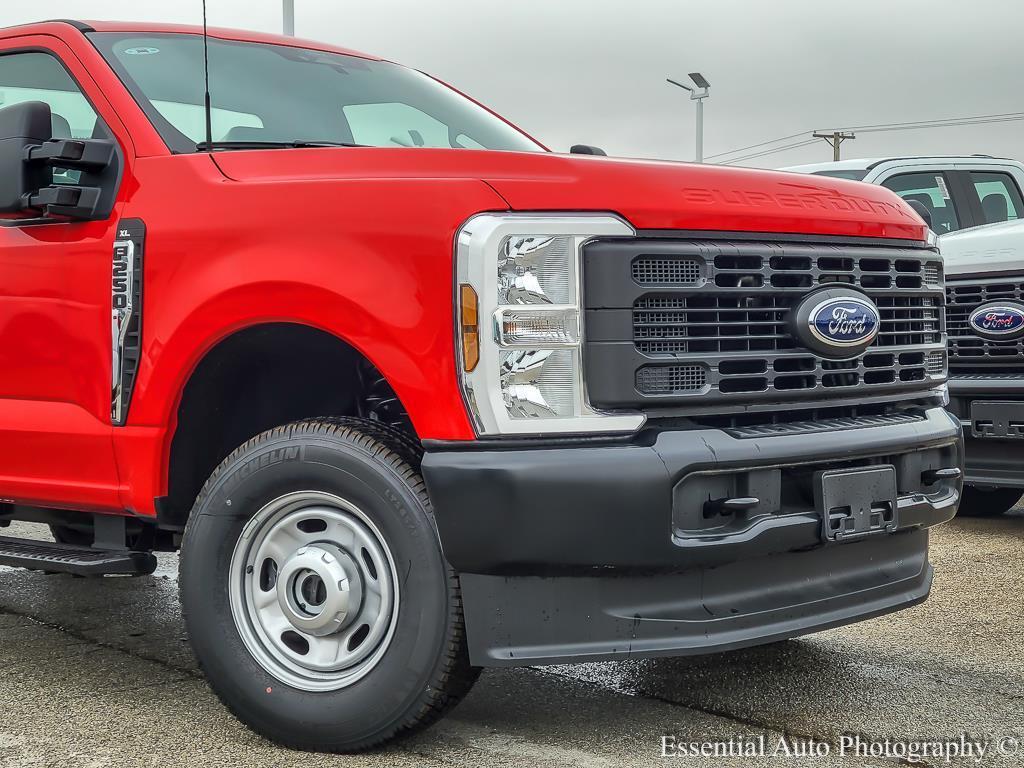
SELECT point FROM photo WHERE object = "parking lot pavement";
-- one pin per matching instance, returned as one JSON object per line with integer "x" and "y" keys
{"x": 98, "y": 673}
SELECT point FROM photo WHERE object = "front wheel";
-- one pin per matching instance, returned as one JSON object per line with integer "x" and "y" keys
{"x": 979, "y": 502}
{"x": 315, "y": 593}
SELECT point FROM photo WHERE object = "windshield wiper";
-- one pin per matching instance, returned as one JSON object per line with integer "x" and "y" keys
{"x": 206, "y": 146}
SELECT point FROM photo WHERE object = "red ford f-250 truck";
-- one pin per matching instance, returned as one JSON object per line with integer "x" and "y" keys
{"x": 414, "y": 396}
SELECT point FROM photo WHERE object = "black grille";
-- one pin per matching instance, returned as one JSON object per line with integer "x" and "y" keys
{"x": 969, "y": 352}
{"x": 713, "y": 322}
{"x": 810, "y": 266}
{"x": 790, "y": 373}
{"x": 693, "y": 322}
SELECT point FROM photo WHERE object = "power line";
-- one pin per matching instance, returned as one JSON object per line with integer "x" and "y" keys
{"x": 879, "y": 127}
{"x": 755, "y": 146}
{"x": 908, "y": 127}
{"x": 804, "y": 143}
{"x": 946, "y": 124}
{"x": 882, "y": 126}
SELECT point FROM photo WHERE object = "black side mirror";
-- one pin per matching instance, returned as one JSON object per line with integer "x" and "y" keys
{"x": 586, "y": 149}
{"x": 29, "y": 155}
{"x": 921, "y": 210}
{"x": 22, "y": 126}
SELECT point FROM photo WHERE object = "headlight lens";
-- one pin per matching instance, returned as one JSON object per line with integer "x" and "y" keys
{"x": 521, "y": 359}
{"x": 537, "y": 270}
{"x": 538, "y": 383}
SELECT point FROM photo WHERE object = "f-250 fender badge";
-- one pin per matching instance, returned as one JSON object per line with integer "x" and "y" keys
{"x": 998, "y": 321}
{"x": 125, "y": 315}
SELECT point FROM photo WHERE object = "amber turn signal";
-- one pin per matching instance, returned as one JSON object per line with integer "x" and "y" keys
{"x": 470, "y": 327}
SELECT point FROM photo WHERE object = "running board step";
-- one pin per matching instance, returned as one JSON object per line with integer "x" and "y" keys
{"x": 68, "y": 558}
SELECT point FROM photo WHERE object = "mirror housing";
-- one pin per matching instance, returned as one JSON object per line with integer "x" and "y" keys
{"x": 921, "y": 210}
{"x": 22, "y": 126}
{"x": 28, "y": 157}
{"x": 587, "y": 149}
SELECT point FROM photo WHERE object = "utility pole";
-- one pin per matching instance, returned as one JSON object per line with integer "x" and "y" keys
{"x": 288, "y": 9}
{"x": 834, "y": 139}
{"x": 697, "y": 95}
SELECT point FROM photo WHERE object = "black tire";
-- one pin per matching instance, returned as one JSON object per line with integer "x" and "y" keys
{"x": 424, "y": 671}
{"x": 980, "y": 502}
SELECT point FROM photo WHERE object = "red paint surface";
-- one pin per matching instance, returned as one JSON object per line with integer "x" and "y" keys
{"x": 357, "y": 242}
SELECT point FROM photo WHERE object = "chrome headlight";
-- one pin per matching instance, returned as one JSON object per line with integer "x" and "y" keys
{"x": 520, "y": 325}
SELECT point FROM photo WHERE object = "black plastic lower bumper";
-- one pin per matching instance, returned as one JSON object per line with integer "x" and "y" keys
{"x": 535, "y": 620}
{"x": 641, "y": 506}
{"x": 990, "y": 461}
{"x": 595, "y": 550}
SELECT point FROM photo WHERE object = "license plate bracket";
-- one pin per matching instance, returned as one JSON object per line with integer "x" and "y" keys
{"x": 856, "y": 502}
{"x": 997, "y": 419}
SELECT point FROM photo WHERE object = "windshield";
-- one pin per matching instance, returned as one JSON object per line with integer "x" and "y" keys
{"x": 277, "y": 94}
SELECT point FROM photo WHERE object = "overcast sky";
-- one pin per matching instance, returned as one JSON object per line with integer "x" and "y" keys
{"x": 579, "y": 71}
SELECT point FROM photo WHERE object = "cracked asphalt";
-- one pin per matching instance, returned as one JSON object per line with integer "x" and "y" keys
{"x": 98, "y": 673}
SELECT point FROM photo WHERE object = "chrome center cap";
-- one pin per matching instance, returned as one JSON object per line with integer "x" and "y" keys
{"x": 319, "y": 588}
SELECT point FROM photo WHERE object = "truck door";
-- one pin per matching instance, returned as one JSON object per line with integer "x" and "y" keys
{"x": 55, "y": 309}
{"x": 994, "y": 195}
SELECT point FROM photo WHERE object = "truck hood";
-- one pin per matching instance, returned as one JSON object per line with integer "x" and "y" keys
{"x": 989, "y": 248}
{"x": 650, "y": 195}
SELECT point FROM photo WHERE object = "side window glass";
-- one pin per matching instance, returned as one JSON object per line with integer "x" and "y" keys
{"x": 931, "y": 190}
{"x": 36, "y": 76}
{"x": 999, "y": 196}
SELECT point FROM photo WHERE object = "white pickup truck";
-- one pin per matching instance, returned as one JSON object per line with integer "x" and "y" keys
{"x": 975, "y": 204}
{"x": 985, "y": 324}
{"x": 951, "y": 193}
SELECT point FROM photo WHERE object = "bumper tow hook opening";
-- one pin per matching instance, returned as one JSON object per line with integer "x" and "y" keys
{"x": 730, "y": 506}
{"x": 932, "y": 476}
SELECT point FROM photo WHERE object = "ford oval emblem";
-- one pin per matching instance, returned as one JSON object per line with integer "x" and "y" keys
{"x": 998, "y": 321}
{"x": 844, "y": 322}
{"x": 837, "y": 323}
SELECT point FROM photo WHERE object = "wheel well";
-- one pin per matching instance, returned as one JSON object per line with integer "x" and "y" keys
{"x": 263, "y": 377}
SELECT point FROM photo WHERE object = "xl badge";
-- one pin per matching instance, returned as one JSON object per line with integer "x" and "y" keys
{"x": 836, "y": 322}
{"x": 998, "y": 321}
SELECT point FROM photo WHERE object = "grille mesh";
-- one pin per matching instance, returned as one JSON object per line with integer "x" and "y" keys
{"x": 649, "y": 270}
{"x": 935, "y": 363}
{"x": 748, "y": 323}
{"x": 671, "y": 379}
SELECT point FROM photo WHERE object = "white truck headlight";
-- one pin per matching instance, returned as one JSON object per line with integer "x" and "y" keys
{"x": 520, "y": 324}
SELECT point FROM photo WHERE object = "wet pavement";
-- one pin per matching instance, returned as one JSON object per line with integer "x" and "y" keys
{"x": 98, "y": 673}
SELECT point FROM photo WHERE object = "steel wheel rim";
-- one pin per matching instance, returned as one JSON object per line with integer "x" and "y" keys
{"x": 313, "y": 591}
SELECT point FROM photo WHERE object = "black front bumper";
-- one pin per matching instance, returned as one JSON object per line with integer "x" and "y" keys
{"x": 595, "y": 550}
{"x": 989, "y": 461}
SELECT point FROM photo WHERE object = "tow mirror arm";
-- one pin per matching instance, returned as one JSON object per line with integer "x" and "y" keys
{"x": 69, "y": 201}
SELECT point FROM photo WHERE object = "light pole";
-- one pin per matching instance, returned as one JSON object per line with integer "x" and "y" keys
{"x": 697, "y": 94}
{"x": 288, "y": 9}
